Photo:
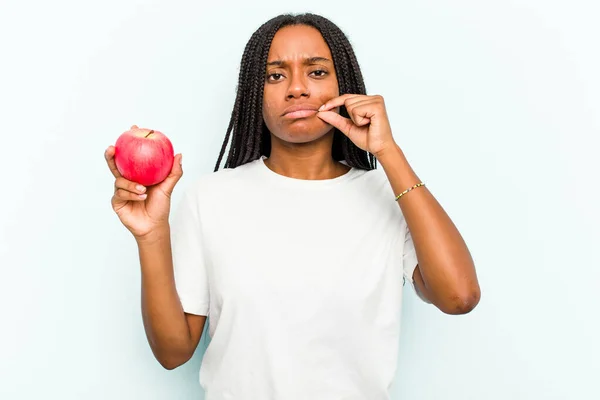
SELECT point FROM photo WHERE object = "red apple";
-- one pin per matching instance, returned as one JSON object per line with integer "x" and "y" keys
{"x": 144, "y": 156}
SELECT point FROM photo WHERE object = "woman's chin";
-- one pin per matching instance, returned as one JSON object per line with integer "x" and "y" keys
{"x": 302, "y": 136}
{"x": 304, "y": 132}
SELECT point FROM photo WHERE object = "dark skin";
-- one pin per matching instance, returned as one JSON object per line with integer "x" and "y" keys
{"x": 300, "y": 148}
{"x": 300, "y": 71}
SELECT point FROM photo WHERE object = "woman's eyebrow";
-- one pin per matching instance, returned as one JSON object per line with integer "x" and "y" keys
{"x": 307, "y": 61}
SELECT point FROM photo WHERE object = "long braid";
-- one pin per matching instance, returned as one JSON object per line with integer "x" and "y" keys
{"x": 247, "y": 131}
{"x": 239, "y": 113}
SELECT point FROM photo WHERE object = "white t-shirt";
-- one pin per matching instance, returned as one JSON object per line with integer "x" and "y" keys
{"x": 301, "y": 279}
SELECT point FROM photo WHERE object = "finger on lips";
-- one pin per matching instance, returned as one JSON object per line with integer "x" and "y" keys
{"x": 336, "y": 120}
{"x": 337, "y": 101}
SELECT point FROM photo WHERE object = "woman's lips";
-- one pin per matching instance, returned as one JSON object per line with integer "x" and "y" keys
{"x": 300, "y": 114}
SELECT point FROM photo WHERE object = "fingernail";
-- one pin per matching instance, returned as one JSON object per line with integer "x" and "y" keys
{"x": 143, "y": 196}
{"x": 140, "y": 188}
{"x": 180, "y": 160}
{"x": 322, "y": 107}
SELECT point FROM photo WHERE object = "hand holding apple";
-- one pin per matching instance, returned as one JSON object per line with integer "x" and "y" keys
{"x": 143, "y": 208}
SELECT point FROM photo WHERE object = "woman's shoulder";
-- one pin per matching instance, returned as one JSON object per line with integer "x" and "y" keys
{"x": 375, "y": 186}
{"x": 374, "y": 178}
{"x": 221, "y": 180}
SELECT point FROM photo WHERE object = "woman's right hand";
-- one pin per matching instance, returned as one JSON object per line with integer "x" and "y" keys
{"x": 142, "y": 210}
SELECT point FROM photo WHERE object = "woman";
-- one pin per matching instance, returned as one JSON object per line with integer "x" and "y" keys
{"x": 297, "y": 249}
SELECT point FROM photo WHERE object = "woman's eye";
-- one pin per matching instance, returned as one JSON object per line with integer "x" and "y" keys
{"x": 274, "y": 76}
{"x": 320, "y": 73}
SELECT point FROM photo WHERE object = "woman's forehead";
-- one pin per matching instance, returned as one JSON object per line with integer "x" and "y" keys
{"x": 297, "y": 43}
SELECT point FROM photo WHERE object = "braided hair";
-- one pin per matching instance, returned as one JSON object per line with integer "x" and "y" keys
{"x": 250, "y": 138}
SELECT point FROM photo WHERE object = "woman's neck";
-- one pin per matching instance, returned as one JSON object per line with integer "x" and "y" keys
{"x": 311, "y": 161}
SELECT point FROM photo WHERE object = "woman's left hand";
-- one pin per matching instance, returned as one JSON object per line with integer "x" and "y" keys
{"x": 368, "y": 126}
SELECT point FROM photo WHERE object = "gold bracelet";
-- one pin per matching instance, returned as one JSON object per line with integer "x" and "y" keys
{"x": 408, "y": 190}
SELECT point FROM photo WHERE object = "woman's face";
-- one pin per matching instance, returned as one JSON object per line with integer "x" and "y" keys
{"x": 300, "y": 73}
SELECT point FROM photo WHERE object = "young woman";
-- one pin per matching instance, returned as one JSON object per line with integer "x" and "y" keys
{"x": 298, "y": 249}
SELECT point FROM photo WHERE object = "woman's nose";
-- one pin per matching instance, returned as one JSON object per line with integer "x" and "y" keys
{"x": 298, "y": 87}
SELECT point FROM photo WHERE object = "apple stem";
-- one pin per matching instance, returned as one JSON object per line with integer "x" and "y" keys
{"x": 149, "y": 133}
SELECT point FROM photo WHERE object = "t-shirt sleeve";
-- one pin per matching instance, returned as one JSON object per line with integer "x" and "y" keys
{"x": 410, "y": 262}
{"x": 189, "y": 264}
